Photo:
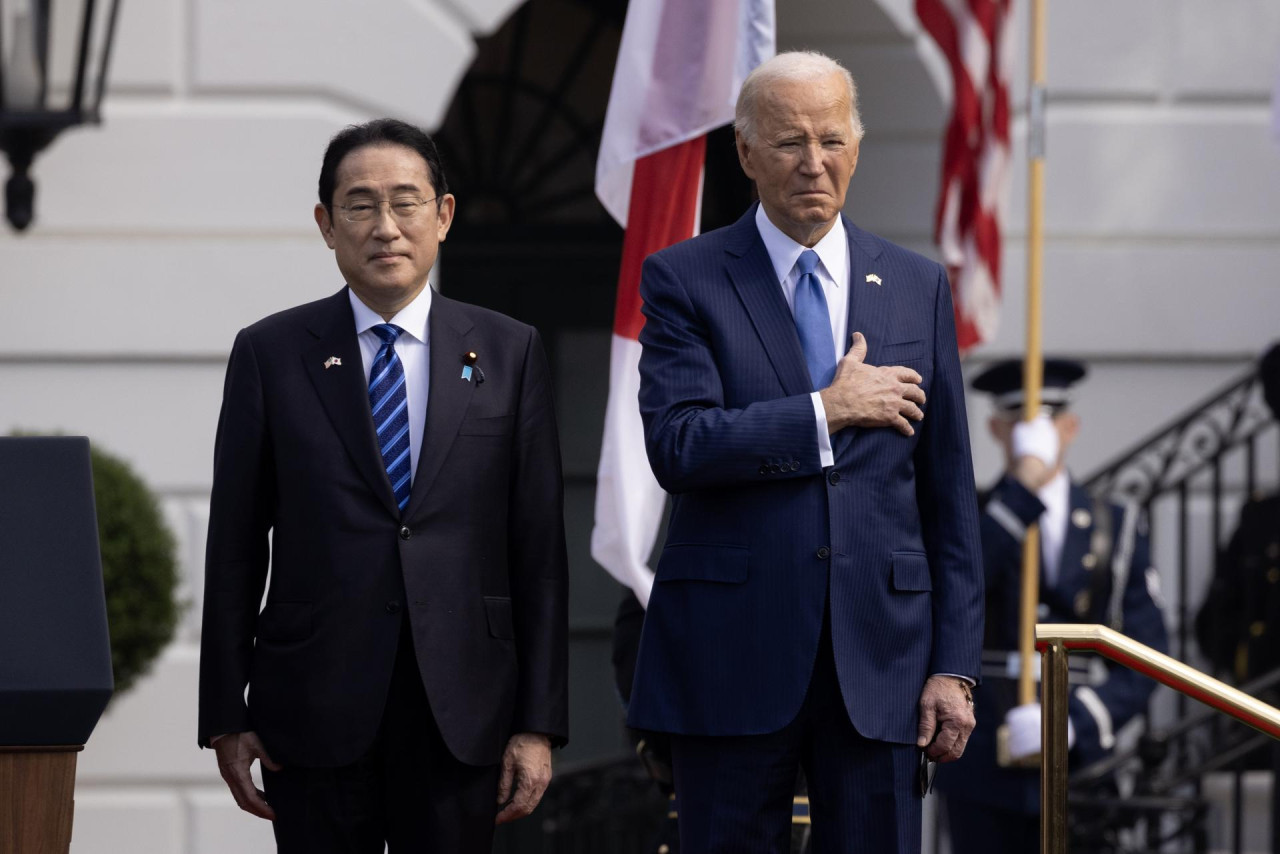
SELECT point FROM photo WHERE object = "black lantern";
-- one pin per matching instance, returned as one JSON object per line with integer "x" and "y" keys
{"x": 53, "y": 69}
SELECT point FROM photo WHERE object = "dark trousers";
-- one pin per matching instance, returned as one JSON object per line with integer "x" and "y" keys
{"x": 976, "y": 828}
{"x": 407, "y": 791}
{"x": 735, "y": 792}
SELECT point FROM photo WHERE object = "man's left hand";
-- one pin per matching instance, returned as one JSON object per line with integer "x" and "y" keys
{"x": 946, "y": 718}
{"x": 526, "y": 772}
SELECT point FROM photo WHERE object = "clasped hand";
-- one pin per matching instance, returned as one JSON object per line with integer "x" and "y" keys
{"x": 863, "y": 395}
{"x": 946, "y": 718}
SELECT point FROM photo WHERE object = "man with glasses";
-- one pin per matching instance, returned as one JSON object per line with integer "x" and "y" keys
{"x": 393, "y": 455}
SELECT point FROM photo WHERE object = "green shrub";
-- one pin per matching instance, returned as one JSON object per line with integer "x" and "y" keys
{"x": 139, "y": 568}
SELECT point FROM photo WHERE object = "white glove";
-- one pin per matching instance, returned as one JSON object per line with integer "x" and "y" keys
{"x": 1024, "y": 730}
{"x": 1036, "y": 438}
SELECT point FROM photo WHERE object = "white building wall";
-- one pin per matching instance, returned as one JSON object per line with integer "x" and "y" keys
{"x": 187, "y": 215}
{"x": 184, "y": 217}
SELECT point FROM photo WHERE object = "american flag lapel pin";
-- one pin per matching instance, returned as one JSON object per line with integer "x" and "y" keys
{"x": 872, "y": 277}
{"x": 332, "y": 361}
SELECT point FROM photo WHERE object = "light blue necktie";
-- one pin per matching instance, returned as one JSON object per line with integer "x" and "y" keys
{"x": 390, "y": 406}
{"x": 813, "y": 322}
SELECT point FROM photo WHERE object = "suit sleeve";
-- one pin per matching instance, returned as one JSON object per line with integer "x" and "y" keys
{"x": 537, "y": 562}
{"x": 237, "y": 553}
{"x": 694, "y": 441}
{"x": 948, "y": 505}
{"x": 1098, "y": 713}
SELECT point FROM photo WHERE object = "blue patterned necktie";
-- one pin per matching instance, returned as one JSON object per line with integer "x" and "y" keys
{"x": 390, "y": 406}
{"x": 813, "y": 322}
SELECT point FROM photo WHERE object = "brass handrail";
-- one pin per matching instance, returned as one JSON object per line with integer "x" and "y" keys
{"x": 1055, "y": 641}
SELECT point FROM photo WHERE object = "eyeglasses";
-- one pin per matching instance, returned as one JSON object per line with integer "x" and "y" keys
{"x": 403, "y": 208}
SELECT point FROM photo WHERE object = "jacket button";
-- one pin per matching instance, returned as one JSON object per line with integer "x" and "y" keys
{"x": 764, "y": 468}
{"x": 824, "y": 553}
{"x": 393, "y": 607}
{"x": 795, "y": 465}
{"x": 834, "y": 477}
{"x": 775, "y": 468}
{"x": 405, "y": 533}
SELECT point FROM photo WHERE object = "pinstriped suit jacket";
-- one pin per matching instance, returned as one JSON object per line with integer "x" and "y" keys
{"x": 760, "y": 535}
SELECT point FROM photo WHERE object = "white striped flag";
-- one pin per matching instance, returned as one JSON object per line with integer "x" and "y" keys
{"x": 976, "y": 37}
{"x": 680, "y": 66}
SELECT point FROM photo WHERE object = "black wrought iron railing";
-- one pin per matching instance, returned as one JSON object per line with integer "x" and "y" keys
{"x": 1213, "y": 451}
{"x": 1191, "y": 477}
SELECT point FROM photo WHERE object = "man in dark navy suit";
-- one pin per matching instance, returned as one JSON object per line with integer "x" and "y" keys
{"x": 393, "y": 454}
{"x": 818, "y": 601}
{"x": 1095, "y": 567}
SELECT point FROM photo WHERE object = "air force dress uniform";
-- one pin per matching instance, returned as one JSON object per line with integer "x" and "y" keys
{"x": 1095, "y": 568}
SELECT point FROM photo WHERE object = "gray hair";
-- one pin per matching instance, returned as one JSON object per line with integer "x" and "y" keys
{"x": 798, "y": 65}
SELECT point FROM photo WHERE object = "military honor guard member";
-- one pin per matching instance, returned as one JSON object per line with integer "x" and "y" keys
{"x": 1095, "y": 567}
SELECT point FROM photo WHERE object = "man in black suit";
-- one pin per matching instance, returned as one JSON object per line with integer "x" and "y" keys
{"x": 393, "y": 455}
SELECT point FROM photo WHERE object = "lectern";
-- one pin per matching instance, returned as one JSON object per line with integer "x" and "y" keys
{"x": 55, "y": 655}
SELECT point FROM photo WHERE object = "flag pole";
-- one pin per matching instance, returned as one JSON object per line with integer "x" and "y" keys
{"x": 1033, "y": 364}
{"x": 1032, "y": 374}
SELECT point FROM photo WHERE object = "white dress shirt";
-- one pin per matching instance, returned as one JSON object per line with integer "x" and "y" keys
{"x": 833, "y": 274}
{"x": 414, "y": 354}
{"x": 1056, "y": 497}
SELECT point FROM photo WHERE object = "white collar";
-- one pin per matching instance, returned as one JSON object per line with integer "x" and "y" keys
{"x": 412, "y": 318}
{"x": 832, "y": 249}
{"x": 1056, "y": 494}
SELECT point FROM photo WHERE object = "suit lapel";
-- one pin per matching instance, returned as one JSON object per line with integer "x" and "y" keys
{"x": 869, "y": 303}
{"x": 448, "y": 396}
{"x": 868, "y": 307}
{"x": 753, "y": 276}
{"x": 344, "y": 391}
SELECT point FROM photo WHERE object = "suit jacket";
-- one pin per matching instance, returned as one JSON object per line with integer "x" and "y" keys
{"x": 1100, "y": 580}
{"x": 761, "y": 537}
{"x": 476, "y": 564}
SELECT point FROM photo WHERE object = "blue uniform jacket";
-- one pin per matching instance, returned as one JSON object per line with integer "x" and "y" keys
{"x": 1124, "y": 597}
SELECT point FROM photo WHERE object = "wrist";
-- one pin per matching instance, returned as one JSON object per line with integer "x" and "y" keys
{"x": 836, "y": 418}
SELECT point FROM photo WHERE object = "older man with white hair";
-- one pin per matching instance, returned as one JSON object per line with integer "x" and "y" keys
{"x": 818, "y": 602}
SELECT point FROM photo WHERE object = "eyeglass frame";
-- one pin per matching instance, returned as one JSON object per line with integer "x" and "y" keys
{"x": 378, "y": 203}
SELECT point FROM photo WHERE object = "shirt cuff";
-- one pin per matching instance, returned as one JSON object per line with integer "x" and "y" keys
{"x": 972, "y": 683}
{"x": 826, "y": 457}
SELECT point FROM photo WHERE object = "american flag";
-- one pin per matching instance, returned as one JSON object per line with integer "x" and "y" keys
{"x": 977, "y": 40}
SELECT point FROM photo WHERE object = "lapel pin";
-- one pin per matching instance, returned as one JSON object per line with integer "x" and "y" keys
{"x": 469, "y": 365}
{"x": 331, "y": 361}
{"x": 872, "y": 277}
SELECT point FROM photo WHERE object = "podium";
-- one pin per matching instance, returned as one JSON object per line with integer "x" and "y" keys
{"x": 55, "y": 654}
